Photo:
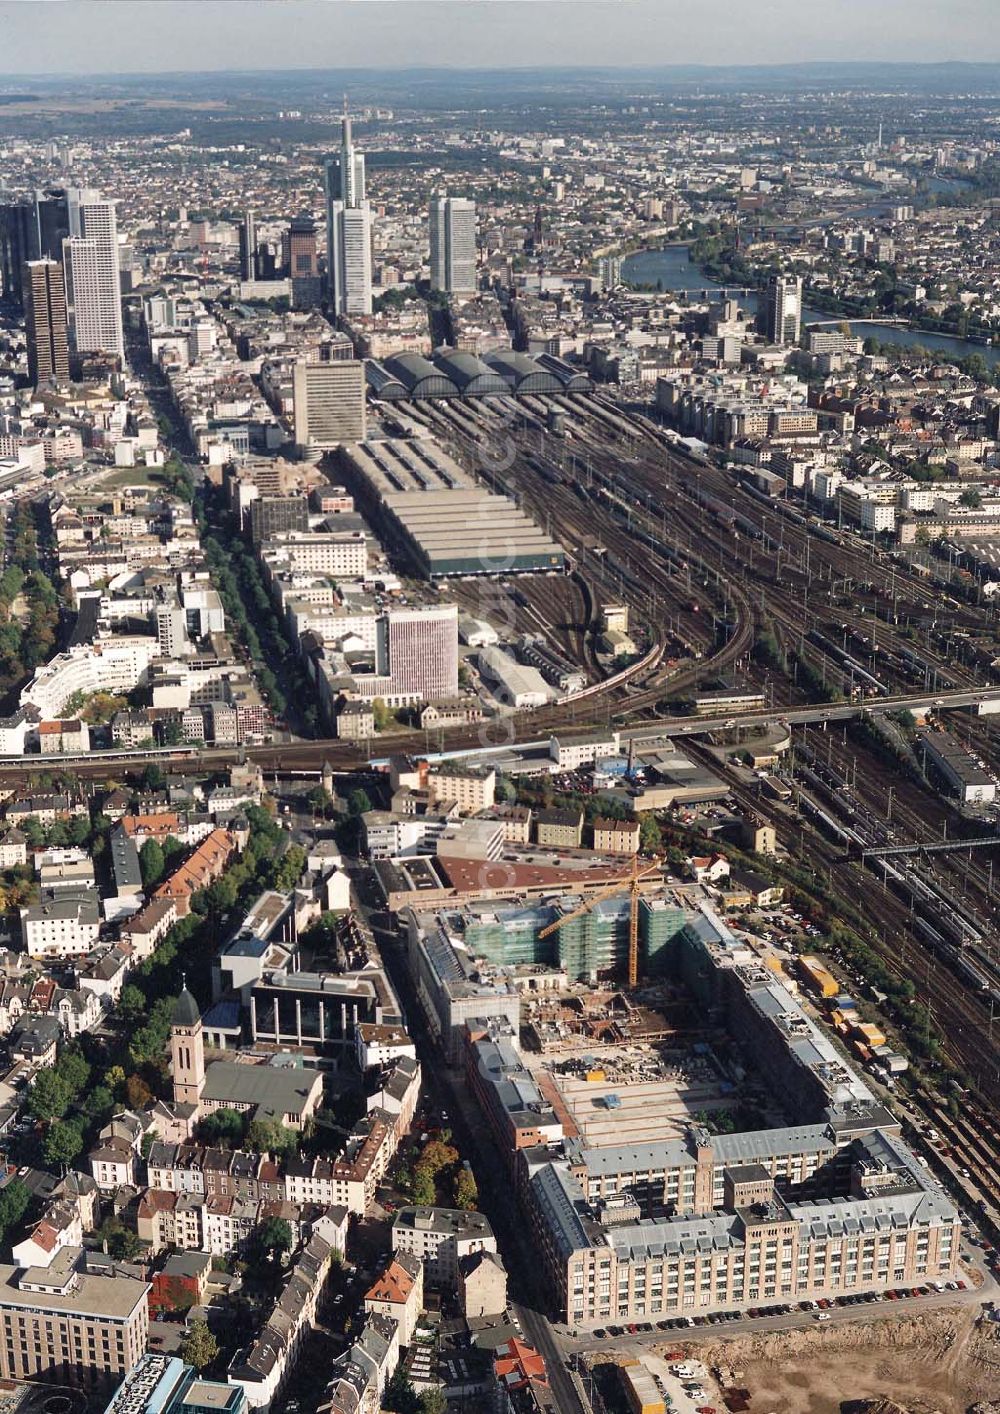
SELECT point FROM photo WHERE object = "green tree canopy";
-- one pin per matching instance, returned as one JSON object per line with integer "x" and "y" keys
{"x": 222, "y": 1128}
{"x": 152, "y": 862}
{"x": 63, "y": 1142}
{"x": 270, "y": 1136}
{"x": 199, "y": 1346}
{"x": 49, "y": 1095}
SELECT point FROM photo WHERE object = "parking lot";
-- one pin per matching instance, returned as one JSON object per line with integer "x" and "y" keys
{"x": 867, "y": 1305}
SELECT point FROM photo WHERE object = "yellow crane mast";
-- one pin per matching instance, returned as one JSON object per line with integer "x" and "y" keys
{"x": 632, "y": 880}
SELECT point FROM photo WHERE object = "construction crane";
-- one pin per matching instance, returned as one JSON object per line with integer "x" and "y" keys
{"x": 632, "y": 880}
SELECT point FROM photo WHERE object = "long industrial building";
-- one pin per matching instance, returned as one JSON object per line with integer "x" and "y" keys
{"x": 442, "y": 521}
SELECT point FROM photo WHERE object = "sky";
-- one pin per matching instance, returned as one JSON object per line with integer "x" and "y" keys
{"x": 116, "y": 36}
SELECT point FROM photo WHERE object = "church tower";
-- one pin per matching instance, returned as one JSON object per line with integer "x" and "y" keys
{"x": 187, "y": 1050}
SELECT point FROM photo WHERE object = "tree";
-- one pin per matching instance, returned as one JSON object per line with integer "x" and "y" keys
{"x": 152, "y": 863}
{"x": 971, "y": 498}
{"x": 269, "y": 1242}
{"x": 223, "y": 1128}
{"x": 466, "y": 1191}
{"x": 422, "y": 1190}
{"x": 270, "y": 1136}
{"x": 381, "y": 715}
{"x": 650, "y": 835}
{"x": 358, "y": 802}
{"x": 437, "y": 1156}
{"x": 14, "y": 1200}
{"x": 505, "y": 790}
{"x": 172, "y": 850}
{"x": 49, "y": 1095}
{"x": 400, "y": 1397}
{"x": 137, "y": 1092}
{"x": 152, "y": 779}
{"x": 63, "y": 1142}
{"x": 74, "y": 1071}
{"x": 99, "y": 1104}
{"x": 199, "y": 1346}
{"x": 432, "y": 1401}
{"x": 131, "y": 1003}
{"x": 289, "y": 868}
{"x": 320, "y": 801}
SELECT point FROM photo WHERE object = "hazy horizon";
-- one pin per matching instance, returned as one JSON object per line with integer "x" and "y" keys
{"x": 94, "y": 38}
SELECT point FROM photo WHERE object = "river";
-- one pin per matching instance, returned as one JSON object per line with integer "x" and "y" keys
{"x": 679, "y": 274}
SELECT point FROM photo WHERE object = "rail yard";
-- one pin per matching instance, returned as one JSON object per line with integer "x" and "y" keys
{"x": 708, "y": 565}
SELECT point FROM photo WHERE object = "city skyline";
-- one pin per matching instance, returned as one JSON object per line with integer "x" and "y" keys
{"x": 133, "y": 36}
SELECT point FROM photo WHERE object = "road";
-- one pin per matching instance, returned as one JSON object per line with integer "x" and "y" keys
{"x": 863, "y": 1314}
{"x": 448, "y": 1090}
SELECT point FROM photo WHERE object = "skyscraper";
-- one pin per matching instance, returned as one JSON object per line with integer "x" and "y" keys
{"x": 18, "y": 245}
{"x": 93, "y": 280}
{"x": 30, "y": 230}
{"x": 52, "y": 221}
{"x": 248, "y": 247}
{"x": 418, "y": 649}
{"x": 329, "y": 404}
{"x": 45, "y": 321}
{"x": 301, "y": 263}
{"x": 348, "y": 229}
{"x": 783, "y": 309}
{"x": 453, "y": 244}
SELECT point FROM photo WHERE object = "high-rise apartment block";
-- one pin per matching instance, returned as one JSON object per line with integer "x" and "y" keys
{"x": 453, "y": 244}
{"x": 783, "y": 309}
{"x": 329, "y": 403}
{"x": 45, "y": 321}
{"x": 93, "y": 279}
{"x": 348, "y": 230}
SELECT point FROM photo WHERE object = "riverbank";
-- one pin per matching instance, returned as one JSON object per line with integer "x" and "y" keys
{"x": 670, "y": 269}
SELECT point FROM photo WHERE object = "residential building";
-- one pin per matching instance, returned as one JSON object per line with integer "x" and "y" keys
{"x": 64, "y": 923}
{"x": 399, "y": 1292}
{"x": 440, "y": 1238}
{"x": 182, "y": 1282}
{"x": 616, "y": 836}
{"x": 472, "y": 788}
{"x": 562, "y": 829}
{"x": 482, "y": 1284}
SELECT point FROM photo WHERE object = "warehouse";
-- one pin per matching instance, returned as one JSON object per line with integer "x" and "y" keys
{"x": 962, "y": 774}
{"x": 434, "y": 514}
{"x": 517, "y": 684}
